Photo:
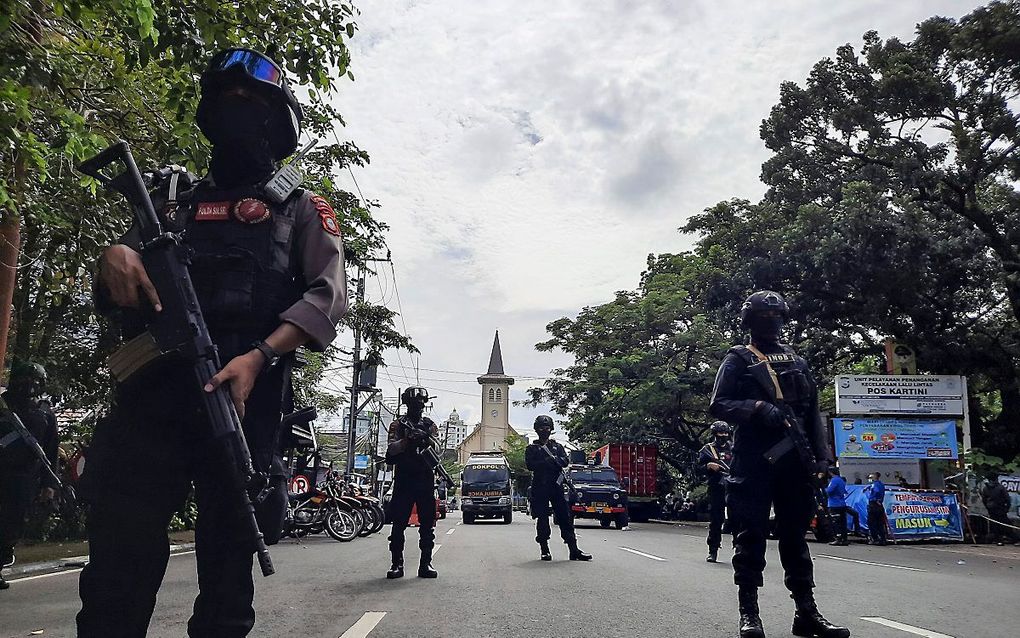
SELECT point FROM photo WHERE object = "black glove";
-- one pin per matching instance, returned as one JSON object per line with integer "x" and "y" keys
{"x": 772, "y": 416}
{"x": 415, "y": 435}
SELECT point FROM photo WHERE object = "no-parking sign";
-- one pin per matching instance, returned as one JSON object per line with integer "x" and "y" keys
{"x": 299, "y": 484}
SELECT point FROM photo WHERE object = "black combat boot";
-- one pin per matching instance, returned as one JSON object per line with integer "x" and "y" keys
{"x": 397, "y": 568}
{"x": 750, "y": 621}
{"x": 546, "y": 554}
{"x": 577, "y": 554}
{"x": 425, "y": 566}
{"x": 809, "y": 623}
{"x": 713, "y": 555}
{"x": 3, "y": 583}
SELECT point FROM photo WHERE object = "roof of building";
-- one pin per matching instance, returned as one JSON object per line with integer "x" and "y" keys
{"x": 495, "y": 371}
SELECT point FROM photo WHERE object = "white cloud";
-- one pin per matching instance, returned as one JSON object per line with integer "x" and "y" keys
{"x": 529, "y": 155}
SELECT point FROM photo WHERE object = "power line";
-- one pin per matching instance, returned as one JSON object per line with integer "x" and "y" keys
{"x": 400, "y": 309}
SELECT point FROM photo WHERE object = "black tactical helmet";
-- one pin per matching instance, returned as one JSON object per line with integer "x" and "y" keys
{"x": 762, "y": 301}
{"x": 251, "y": 69}
{"x": 27, "y": 378}
{"x": 543, "y": 421}
{"x": 721, "y": 427}
{"x": 414, "y": 394}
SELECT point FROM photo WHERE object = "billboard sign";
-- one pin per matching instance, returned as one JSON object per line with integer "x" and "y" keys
{"x": 899, "y": 394}
{"x": 895, "y": 438}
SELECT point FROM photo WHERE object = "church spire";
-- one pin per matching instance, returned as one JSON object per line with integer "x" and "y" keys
{"x": 496, "y": 358}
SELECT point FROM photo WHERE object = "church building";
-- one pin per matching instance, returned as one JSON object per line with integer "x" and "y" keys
{"x": 492, "y": 432}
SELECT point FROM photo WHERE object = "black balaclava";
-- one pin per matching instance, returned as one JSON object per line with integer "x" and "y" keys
{"x": 415, "y": 409}
{"x": 241, "y": 153}
{"x": 765, "y": 330}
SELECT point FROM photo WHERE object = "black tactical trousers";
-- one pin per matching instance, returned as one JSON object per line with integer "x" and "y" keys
{"x": 716, "y": 514}
{"x": 749, "y": 496}
{"x": 544, "y": 501}
{"x": 16, "y": 493}
{"x": 405, "y": 498}
{"x": 142, "y": 464}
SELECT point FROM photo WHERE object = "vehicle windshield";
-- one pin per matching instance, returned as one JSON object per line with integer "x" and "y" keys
{"x": 604, "y": 476}
{"x": 486, "y": 474}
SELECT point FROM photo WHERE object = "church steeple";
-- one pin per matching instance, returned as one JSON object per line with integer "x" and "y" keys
{"x": 496, "y": 358}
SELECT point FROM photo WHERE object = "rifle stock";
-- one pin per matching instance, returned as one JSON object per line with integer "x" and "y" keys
{"x": 180, "y": 328}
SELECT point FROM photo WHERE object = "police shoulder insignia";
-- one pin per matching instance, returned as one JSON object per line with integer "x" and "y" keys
{"x": 251, "y": 211}
{"x": 326, "y": 215}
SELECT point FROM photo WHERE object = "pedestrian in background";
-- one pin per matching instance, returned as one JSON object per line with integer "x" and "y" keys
{"x": 996, "y": 499}
{"x": 875, "y": 492}
{"x": 836, "y": 494}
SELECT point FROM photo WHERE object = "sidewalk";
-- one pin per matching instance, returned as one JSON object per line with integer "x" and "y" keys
{"x": 58, "y": 556}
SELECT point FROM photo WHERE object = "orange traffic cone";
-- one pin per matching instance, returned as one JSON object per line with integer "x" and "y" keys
{"x": 413, "y": 521}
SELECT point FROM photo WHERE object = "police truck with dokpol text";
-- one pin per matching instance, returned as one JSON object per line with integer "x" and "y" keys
{"x": 486, "y": 489}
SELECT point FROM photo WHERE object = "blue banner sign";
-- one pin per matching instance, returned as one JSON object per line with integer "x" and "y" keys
{"x": 912, "y": 514}
{"x": 361, "y": 461}
{"x": 889, "y": 438}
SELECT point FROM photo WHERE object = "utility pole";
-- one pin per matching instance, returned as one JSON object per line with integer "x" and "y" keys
{"x": 352, "y": 425}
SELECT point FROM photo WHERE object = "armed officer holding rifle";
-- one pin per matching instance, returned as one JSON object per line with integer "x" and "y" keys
{"x": 765, "y": 389}
{"x": 714, "y": 462}
{"x": 409, "y": 439}
{"x": 548, "y": 461}
{"x": 269, "y": 277}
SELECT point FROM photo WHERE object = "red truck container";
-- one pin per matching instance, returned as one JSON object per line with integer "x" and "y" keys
{"x": 637, "y": 467}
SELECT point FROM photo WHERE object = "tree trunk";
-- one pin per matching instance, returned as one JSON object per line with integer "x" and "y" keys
{"x": 10, "y": 243}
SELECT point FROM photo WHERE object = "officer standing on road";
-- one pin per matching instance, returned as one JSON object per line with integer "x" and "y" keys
{"x": 22, "y": 476}
{"x": 753, "y": 385}
{"x": 714, "y": 462}
{"x": 547, "y": 459}
{"x": 414, "y": 482}
{"x": 269, "y": 278}
{"x": 836, "y": 494}
{"x": 875, "y": 491}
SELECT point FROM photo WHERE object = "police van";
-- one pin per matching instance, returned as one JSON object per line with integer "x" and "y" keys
{"x": 486, "y": 487}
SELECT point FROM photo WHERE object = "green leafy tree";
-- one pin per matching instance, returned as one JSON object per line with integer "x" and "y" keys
{"x": 514, "y": 447}
{"x": 76, "y": 75}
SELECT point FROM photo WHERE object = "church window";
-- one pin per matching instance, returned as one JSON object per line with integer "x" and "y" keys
{"x": 499, "y": 394}
{"x": 492, "y": 394}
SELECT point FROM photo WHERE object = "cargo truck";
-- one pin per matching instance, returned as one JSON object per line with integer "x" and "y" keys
{"x": 637, "y": 466}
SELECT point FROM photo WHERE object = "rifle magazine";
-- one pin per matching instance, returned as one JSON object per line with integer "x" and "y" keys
{"x": 133, "y": 356}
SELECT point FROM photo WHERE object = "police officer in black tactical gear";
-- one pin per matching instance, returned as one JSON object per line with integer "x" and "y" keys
{"x": 414, "y": 482}
{"x": 269, "y": 277}
{"x": 760, "y": 388}
{"x": 714, "y": 462}
{"x": 22, "y": 475}
{"x": 547, "y": 460}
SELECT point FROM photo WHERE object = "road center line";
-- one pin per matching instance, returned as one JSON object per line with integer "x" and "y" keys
{"x": 907, "y": 628}
{"x": 634, "y": 551}
{"x": 365, "y": 625}
{"x": 75, "y": 571}
{"x": 868, "y": 562}
{"x": 451, "y": 530}
{"x": 435, "y": 549}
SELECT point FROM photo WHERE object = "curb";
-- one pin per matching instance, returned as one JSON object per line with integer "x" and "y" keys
{"x": 73, "y": 562}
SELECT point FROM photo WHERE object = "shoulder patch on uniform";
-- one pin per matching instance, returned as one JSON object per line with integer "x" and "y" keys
{"x": 326, "y": 215}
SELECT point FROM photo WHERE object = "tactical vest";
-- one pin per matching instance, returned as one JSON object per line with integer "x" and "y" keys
{"x": 241, "y": 265}
{"x": 791, "y": 372}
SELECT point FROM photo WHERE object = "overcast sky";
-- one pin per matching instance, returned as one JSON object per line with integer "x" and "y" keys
{"x": 529, "y": 155}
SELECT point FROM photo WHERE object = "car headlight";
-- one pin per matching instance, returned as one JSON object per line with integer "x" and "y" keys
{"x": 616, "y": 496}
{"x": 465, "y": 501}
{"x": 504, "y": 500}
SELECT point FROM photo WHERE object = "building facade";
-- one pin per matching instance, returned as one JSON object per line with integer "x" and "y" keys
{"x": 494, "y": 428}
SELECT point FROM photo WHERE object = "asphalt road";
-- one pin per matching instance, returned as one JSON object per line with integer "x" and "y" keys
{"x": 650, "y": 581}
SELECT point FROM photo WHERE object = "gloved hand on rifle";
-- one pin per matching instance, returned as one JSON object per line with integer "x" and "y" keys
{"x": 416, "y": 436}
{"x": 770, "y": 415}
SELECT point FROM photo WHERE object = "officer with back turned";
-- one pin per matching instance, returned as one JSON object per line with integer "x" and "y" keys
{"x": 269, "y": 278}
{"x": 764, "y": 388}
{"x": 714, "y": 462}
{"x": 547, "y": 460}
{"x": 414, "y": 482}
{"x": 23, "y": 476}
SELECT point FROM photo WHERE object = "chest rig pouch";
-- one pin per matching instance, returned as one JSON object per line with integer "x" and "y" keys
{"x": 780, "y": 375}
{"x": 241, "y": 260}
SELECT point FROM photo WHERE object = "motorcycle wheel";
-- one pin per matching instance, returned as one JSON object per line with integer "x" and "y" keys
{"x": 380, "y": 518}
{"x": 342, "y": 526}
{"x": 367, "y": 515}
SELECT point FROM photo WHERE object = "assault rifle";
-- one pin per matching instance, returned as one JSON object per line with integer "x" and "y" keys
{"x": 180, "y": 329}
{"x": 23, "y": 433}
{"x": 428, "y": 450}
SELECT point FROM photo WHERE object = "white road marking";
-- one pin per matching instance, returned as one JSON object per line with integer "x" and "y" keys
{"x": 75, "y": 571}
{"x": 868, "y": 562}
{"x": 907, "y": 628}
{"x": 435, "y": 549}
{"x": 634, "y": 551}
{"x": 459, "y": 522}
{"x": 365, "y": 625}
{"x": 451, "y": 530}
